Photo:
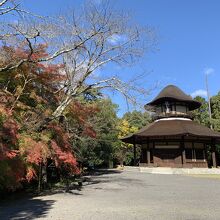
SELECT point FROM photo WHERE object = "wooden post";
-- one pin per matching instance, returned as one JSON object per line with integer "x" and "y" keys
{"x": 193, "y": 152}
{"x": 148, "y": 154}
{"x": 135, "y": 158}
{"x": 183, "y": 151}
{"x": 142, "y": 155}
{"x": 184, "y": 156}
{"x": 213, "y": 150}
{"x": 148, "y": 157}
{"x": 214, "y": 159}
{"x": 204, "y": 152}
{"x": 153, "y": 152}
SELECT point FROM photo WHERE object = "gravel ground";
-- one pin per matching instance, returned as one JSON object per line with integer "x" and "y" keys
{"x": 125, "y": 195}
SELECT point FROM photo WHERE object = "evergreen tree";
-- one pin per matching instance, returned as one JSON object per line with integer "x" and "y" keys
{"x": 98, "y": 151}
{"x": 215, "y": 106}
{"x": 137, "y": 118}
{"x": 201, "y": 115}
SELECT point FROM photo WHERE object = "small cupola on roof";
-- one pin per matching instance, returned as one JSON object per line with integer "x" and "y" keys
{"x": 172, "y": 102}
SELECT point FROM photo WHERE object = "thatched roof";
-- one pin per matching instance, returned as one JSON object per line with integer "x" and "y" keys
{"x": 173, "y": 93}
{"x": 174, "y": 127}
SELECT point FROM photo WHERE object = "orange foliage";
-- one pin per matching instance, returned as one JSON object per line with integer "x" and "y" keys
{"x": 11, "y": 154}
{"x": 8, "y": 135}
{"x": 31, "y": 174}
{"x": 20, "y": 144}
{"x": 81, "y": 113}
{"x": 62, "y": 151}
{"x": 63, "y": 157}
{"x": 33, "y": 151}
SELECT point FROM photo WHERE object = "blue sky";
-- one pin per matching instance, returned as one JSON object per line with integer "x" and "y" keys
{"x": 188, "y": 41}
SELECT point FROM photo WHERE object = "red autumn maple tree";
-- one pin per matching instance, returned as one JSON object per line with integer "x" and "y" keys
{"x": 28, "y": 96}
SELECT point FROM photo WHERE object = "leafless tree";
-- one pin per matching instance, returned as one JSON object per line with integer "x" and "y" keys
{"x": 86, "y": 42}
{"x": 9, "y": 6}
{"x": 106, "y": 37}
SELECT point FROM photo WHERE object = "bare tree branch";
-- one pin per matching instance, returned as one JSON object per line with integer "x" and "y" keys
{"x": 3, "y": 2}
{"x": 87, "y": 42}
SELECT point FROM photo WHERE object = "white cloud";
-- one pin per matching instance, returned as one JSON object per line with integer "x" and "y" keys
{"x": 116, "y": 38}
{"x": 209, "y": 71}
{"x": 199, "y": 92}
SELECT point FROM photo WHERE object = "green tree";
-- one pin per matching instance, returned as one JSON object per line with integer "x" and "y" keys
{"x": 130, "y": 123}
{"x": 137, "y": 118}
{"x": 201, "y": 115}
{"x": 215, "y": 106}
{"x": 99, "y": 150}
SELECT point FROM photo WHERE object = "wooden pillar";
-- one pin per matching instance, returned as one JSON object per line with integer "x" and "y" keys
{"x": 135, "y": 157}
{"x": 148, "y": 157}
{"x": 214, "y": 159}
{"x": 213, "y": 150}
{"x": 183, "y": 151}
{"x": 153, "y": 152}
{"x": 204, "y": 152}
{"x": 184, "y": 156}
{"x": 143, "y": 155}
{"x": 148, "y": 153}
{"x": 193, "y": 152}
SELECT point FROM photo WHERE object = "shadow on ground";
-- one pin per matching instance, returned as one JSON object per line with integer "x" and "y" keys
{"x": 100, "y": 172}
{"x": 25, "y": 208}
{"x": 31, "y": 207}
{"x": 90, "y": 177}
{"x": 76, "y": 187}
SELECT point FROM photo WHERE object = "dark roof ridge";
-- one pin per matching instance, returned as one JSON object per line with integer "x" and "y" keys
{"x": 172, "y": 92}
{"x": 173, "y": 128}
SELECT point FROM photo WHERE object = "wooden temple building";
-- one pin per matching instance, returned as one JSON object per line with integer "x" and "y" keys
{"x": 174, "y": 139}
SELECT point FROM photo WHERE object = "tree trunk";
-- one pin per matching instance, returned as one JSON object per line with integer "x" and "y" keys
{"x": 67, "y": 184}
{"x": 58, "y": 112}
{"x": 40, "y": 178}
{"x": 44, "y": 175}
{"x": 121, "y": 162}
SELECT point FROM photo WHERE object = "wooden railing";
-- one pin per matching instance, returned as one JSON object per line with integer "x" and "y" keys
{"x": 172, "y": 115}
